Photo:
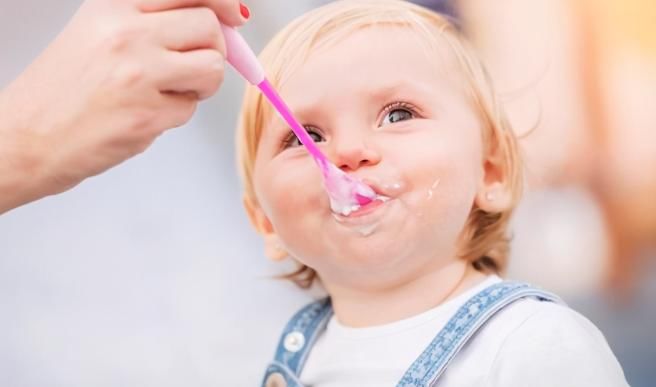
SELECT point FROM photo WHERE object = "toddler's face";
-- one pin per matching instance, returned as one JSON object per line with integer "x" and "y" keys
{"x": 395, "y": 115}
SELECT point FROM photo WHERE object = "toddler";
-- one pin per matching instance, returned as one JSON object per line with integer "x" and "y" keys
{"x": 394, "y": 96}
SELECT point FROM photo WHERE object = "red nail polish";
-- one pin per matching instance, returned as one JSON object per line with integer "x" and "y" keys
{"x": 245, "y": 12}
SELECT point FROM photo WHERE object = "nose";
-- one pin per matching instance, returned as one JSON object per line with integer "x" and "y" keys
{"x": 351, "y": 151}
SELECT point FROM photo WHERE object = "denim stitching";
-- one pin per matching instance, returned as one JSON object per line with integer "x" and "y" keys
{"x": 474, "y": 313}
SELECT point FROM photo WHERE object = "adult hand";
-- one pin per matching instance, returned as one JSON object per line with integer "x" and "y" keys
{"x": 118, "y": 75}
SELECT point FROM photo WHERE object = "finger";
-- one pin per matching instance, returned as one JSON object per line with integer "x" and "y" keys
{"x": 177, "y": 109}
{"x": 198, "y": 71}
{"x": 228, "y": 11}
{"x": 187, "y": 29}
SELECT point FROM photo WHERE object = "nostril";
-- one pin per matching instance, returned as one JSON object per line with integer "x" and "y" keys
{"x": 349, "y": 167}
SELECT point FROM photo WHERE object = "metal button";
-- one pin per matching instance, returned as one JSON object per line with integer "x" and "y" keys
{"x": 294, "y": 341}
{"x": 275, "y": 380}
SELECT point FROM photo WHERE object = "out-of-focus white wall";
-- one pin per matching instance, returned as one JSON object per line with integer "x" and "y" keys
{"x": 149, "y": 274}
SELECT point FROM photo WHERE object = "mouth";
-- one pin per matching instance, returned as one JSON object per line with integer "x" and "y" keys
{"x": 370, "y": 207}
{"x": 363, "y": 206}
{"x": 367, "y": 214}
{"x": 367, "y": 218}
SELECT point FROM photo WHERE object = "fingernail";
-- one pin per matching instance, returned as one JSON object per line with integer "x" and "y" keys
{"x": 245, "y": 12}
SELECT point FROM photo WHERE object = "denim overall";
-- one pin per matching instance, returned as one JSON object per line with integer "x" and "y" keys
{"x": 303, "y": 329}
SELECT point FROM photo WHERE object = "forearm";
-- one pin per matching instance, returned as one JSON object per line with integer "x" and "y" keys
{"x": 20, "y": 160}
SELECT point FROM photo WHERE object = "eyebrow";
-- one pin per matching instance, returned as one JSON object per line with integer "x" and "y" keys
{"x": 402, "y": 87}
{"x": 409, "y": 89}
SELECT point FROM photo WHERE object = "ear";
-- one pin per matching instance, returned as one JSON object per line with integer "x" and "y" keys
{"x": 272, "y": 245}
{"x": 494, "y": 194}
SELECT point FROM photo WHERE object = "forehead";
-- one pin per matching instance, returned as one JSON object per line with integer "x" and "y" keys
{"x": 374, "y": 56}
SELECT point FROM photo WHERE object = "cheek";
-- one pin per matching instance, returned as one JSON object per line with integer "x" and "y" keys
{"x": 440, "y": 205}
{"x": 288, "y": 191}
{"x": 444, "y": 178}
{"x": 445, "y": 191}
{"x": 292, "y": 197}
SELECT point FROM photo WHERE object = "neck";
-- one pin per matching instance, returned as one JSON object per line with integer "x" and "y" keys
{"x": 365, "y": 307}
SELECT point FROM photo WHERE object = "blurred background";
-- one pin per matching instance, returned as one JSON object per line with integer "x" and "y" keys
{"x": 149, "y": 275}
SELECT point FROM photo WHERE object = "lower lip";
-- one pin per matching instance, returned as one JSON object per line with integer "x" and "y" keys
{"x": 364, "y": 215}
{"x": 366, "y": 209}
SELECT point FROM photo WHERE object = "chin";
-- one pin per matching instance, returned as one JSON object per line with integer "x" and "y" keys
{"x": 371, "y": 252}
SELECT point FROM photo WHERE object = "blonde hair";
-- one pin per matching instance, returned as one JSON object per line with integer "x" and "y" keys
{"x": 487, "y": 244}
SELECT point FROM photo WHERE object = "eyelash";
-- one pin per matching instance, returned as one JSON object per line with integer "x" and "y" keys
{"x": 400, "y": 105}
{"x": 291, "y": 137}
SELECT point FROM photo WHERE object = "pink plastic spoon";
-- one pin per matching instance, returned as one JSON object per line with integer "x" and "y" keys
{"x": 346, "y": 193}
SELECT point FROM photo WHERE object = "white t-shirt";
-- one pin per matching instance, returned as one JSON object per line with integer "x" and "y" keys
{"x": 529, "y": 343}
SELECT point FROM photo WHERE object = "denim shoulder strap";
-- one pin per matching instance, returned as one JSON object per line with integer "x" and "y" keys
{"x": 296, "y": 341}
{"x": 430, "y": 365}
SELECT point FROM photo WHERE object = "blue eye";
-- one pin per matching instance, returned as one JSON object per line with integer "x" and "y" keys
{"x": 396, "y": 116}
{"x": 396, "y": 112}
{"x": 292, "y": 141}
